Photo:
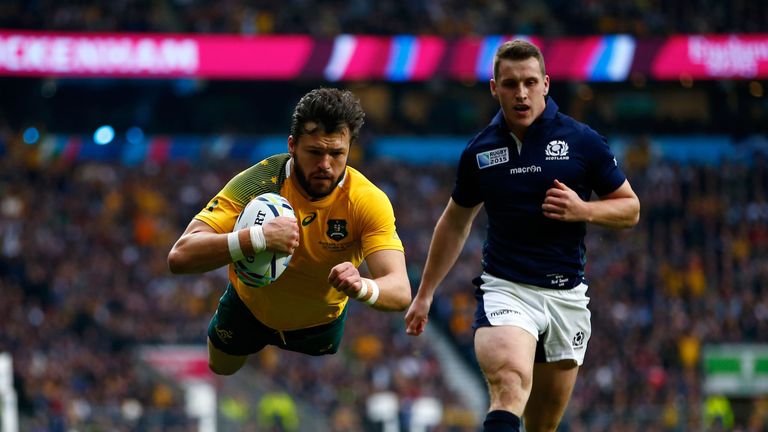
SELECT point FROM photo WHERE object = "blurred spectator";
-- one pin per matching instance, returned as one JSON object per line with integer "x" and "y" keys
{"x": 277, "y": 412}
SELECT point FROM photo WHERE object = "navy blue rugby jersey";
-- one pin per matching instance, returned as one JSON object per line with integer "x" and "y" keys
{"x": 523, "y": 245}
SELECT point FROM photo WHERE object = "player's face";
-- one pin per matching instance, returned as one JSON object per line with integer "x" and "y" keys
{"x": 319, "y": 160}
{"x": 521, "y": 89}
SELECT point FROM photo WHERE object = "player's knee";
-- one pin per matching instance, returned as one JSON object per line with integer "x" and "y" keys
{"x": 509, "y": 379}
{"x": 509, "y": 386}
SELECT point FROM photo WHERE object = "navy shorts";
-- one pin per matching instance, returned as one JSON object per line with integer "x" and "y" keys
{"x": 235, "y": 331}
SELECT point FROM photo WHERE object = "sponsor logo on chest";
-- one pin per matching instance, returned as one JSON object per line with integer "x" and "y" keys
{"x": 525, "y": 170}
{"x": 492, "y": 157}
{"x": 308, "y": 218}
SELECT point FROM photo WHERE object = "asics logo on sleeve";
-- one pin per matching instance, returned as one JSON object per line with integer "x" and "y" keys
{"x": 308, "y": 219}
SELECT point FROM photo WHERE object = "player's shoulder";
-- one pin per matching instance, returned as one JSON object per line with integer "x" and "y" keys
{"x": 266, "y": 168}
{"x": 271, "y": 165}
{"x": 357, "y": 182}
{"x": 366, "y": 201}
{"x": 487, "y": 138}
{"x": 262, "y": 177}
{"x": 360, "y": 187}
{"x": 567, "y": 126}
{"x": 493, "y": 135}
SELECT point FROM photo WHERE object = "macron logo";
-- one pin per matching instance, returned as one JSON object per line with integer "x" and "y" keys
{"x": 525, "y": 170}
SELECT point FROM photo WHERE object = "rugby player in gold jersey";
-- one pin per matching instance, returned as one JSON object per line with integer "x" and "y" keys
{"x": 342, "y": 219}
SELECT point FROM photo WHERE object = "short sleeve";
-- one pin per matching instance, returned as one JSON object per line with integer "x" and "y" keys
{"x": 465, "y": 191}
{"x": 378, "y": 223}
{"x": 220, "y": 213}
{"x": 605, "y": 176}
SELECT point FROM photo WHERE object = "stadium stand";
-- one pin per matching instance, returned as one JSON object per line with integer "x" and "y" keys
{"x": 445, "y": 18}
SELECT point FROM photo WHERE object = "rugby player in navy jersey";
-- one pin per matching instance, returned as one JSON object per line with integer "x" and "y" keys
{"x": 534, "y": 170}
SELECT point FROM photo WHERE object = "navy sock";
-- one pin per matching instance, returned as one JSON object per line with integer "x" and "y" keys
{"x": 501, "y": 421}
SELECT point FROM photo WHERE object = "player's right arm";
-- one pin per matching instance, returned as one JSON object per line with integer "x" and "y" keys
{"x": 201, "y": 248}
{"x": 448, "y": 239}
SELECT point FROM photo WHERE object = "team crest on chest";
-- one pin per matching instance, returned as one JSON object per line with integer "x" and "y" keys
{"x": 557, "y": 150}
{"x": 337, "y": 229}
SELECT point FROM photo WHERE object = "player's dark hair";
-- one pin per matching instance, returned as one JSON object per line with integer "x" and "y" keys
{"x": 517, "y": 50}
{"x": 332, "y": 109}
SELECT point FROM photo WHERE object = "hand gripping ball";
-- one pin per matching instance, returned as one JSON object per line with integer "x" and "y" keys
{"x": 264, "y": 267}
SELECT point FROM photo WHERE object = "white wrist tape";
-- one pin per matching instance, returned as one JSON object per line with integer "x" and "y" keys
{"x": 363, "y": 291}
{"x": 258, "y": 241}
{"x": 374, "y": 291}
{"x": 233, "y": 241}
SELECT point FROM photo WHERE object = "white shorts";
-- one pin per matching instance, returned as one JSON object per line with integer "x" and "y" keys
{"x": 558, "y": 319}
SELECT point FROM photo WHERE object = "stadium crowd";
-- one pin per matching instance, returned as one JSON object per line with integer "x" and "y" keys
{"x": 441, "y": 17}
{"x": 84, "y": 283}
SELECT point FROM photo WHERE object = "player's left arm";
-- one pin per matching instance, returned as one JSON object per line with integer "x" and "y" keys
{"x": 618, "y": 209}
{"x": 387, "y": 290}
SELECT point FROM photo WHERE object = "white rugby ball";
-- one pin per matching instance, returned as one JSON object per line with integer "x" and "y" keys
{"x": 265, "y": 267}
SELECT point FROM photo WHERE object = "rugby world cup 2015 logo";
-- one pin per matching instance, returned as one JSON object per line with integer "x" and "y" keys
{"x": 492, "y": 157}
{"x": 556, "y": 150}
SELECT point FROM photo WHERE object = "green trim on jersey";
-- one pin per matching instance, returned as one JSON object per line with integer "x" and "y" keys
{"x": 263, "y": 177}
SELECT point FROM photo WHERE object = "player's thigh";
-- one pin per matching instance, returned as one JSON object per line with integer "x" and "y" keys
{"x": 316, "y": 341}
{"x": 222, "y": 363}
{"x": 505, "y": 355}
{"x": 552, "y": 387}
{"x": 233, "y": 334}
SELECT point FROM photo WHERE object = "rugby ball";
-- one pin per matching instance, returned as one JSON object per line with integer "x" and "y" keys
{"x": 265, "y": 267}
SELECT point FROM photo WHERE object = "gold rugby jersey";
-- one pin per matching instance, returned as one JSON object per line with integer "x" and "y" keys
{"x": 355, "y": 220}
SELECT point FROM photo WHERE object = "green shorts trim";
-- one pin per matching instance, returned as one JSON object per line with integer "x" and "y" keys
{"x": 235, "y": 331}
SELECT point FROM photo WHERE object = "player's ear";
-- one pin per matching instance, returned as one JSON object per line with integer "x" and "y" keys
{"x": 492, "y": 85}
{"x": 291, "y": 145}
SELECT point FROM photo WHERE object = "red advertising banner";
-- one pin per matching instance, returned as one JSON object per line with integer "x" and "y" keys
{"x": 152, "y": 55}
{"x": 712, "y": 57}
{"x": 398, "y": 58}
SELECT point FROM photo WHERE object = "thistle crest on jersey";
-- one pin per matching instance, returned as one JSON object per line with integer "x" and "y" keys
{"x": 557, "y": 150}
